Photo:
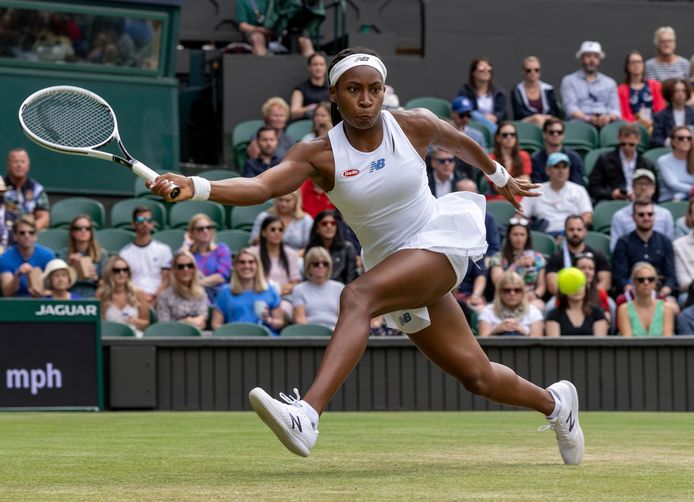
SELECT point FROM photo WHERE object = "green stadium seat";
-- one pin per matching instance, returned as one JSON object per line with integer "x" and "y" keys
{"x": 580, "y": 135}
{"x": 600, "y": 242}
{"x": 182, "y": 212}
{"x": 298, "y": 129}
{"x": 242, "y": 329}
{"x": 116, "y": 329}
{"x": 219, "y": 174}
{"x": 240, "y": 139}
{"x": 544, "y": 243}
{"x": 172, "y": 237}
{"x": 440, "y": 107}
{"x": 502, "y": 211}
{"x": 63, "y": 211}
{"x": 603, "y": 213}
{"x": 609, "y": 135}
{"x": 236, "y": 239}
{"x": 243, "y": 217}
{"x": 655, "y": 153}
{"x": 529, "y": 136}
{"x": 54, "y": 238}
{"x": 122, "y": 212}
{"x": 677, "y": 208}
{"x": 312, "y": 330}
{"x": 172, "y": 329}
{"x": 114, "y": 239}
{"x": 485, "y": 132}
{"x": 591, "y": 158}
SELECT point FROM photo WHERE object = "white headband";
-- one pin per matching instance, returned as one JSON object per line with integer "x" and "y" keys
{"x": 356, "y": 60}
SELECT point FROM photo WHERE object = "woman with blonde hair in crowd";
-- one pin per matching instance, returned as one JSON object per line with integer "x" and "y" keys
{"x": 511, "y": 314}
{"x": 249, "y": 297}
{"x": 82, "y": 244}
{"x": 677, "y": 167}
{"x": 213, "y": 260}
{"x": 120, "y": 300}
{"x": 644, "y": 315}
{"x": 533, "y": 100}
{"x": 275, "y": 113}
{"x": 185, "y": 299}
{"x": 317, "y": 299}
{"x": 297, "y": 224}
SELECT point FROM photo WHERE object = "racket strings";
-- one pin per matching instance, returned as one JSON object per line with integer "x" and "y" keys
{"x": 70, "y": 119}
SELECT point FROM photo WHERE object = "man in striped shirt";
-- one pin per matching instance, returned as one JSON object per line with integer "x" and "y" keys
{"x": 666, "y": 64}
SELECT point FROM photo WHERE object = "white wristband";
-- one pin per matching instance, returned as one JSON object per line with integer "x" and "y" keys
{"x": 201, "y": 188}
{"x": 500, "y": 176}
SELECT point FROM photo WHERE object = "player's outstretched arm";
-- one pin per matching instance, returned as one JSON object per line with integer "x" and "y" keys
{"x": 279, "y": 180}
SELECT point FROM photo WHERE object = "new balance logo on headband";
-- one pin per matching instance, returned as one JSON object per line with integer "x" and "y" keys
{"x": 362, "y": 58}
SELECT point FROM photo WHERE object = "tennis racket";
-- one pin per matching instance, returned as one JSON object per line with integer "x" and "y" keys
{"x": 76, "y": 121}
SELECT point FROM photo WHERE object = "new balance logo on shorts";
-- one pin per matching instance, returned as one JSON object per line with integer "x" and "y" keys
{"x": 405, "y": 318}
{"x": 377, "y": 164}
{"x": 296, "y": 423}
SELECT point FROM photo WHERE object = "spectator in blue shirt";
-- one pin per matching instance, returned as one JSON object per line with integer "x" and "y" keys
{"x": 588, "y": 94}
{"x": 267, "y": 142}
{"x": 17, "y": 262}
{"x": 644, "y": 244}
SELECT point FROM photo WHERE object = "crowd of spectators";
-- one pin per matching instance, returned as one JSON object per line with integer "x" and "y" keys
{"x": 301, "y": 253}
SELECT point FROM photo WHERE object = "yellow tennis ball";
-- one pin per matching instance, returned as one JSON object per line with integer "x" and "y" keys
{"x": 571, "y": 280}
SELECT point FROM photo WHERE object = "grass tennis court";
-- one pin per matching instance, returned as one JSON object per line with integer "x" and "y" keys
{"x": 359, "y": 456}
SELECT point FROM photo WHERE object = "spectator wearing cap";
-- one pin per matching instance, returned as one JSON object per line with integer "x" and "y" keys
{"x": 553, "y": 135}
{"x": 488, "y": 100}
{"x": 589, "y": 95}
{"x": 533, "y": 100}
{"x": 644, "y": 190}
{"x": 573, "y": 246}
{"x": 560, "y": 198}
{"x": 612, "y": 178}
{"x": 461, "y": 113}
{"x": 666, "y": 64}
{"x": 57, "y": 279}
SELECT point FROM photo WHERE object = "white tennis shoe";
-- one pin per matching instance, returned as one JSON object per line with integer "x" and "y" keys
{"x": 566, "y": 426}
{"x": 289, "y": 421}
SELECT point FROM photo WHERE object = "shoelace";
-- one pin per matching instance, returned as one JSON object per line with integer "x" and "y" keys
{"x": 291, "y": 399}
{"x": 561, "y": 432}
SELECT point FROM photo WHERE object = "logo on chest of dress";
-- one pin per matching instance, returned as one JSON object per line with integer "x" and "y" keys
{"x": 350, "y": 172}
{"x": 377, "y": 164}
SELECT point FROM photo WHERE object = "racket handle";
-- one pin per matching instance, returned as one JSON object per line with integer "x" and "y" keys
{"x": 148, "y": 174}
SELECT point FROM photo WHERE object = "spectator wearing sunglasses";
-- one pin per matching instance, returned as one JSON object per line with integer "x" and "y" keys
{"x": 511, "y": 314}
{"x": 121, "y": 301}
{"x": 508, "y": 153}
{"x": 185, "y": 300}
{"x": 639, "y": 97}
{"x": 533, "y": 100}
{"x": 442, "y": 177}
{"x": 677, "y": 93}
{"x": 327, "y": 232}
{"x": 488, "y": 100}
{"x": 461, "y": 114}
{"x": 560, "y": 199}
{"x": 518, "y": 255}
{"x": 19, "y": 260}
{"x": 317, "y": 299}
{"x": 677, "y": 167}
{"x": 553, "y": 136}
{"x": 81, "y": 245}
{"x": 644, "y": 190}
{"x": 644, "y": 244}
{"x": 212, "y": 259}
{"x": 149, "y": 259}
{"x": 643, "y": 314}
{"x": 612, "y": 178}
{"x": 589, "y": 95}
{"x": 575, "y": 315}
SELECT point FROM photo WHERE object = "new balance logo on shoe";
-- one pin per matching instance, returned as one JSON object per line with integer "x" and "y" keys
{"x": 571, "y": 421}
{"x": 296, "y": 423}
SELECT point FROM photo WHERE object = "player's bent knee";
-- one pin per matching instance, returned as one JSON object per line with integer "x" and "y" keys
{"x": 356, "y": 298}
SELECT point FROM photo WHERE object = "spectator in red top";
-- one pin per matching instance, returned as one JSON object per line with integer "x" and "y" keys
{"x": 508, "y": 153}
{"x": 314, "y": 199}
{"x": 639, "y": 98}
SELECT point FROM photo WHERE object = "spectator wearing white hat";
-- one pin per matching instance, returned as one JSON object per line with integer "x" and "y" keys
{"x": 587, "y": 94}
{"x": 57, "y": 279}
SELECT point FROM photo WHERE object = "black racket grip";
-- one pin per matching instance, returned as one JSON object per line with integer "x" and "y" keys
{"x": 175, "y": 192}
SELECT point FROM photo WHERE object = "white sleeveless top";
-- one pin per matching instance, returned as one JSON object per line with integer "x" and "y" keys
{"x": 384, "y": 197}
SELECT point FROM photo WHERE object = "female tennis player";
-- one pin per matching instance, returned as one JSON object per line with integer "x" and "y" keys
{"x": 415, "y": 248}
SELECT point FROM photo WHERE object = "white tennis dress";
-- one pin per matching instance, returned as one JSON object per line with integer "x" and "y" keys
{"x": 384, "y": 197}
